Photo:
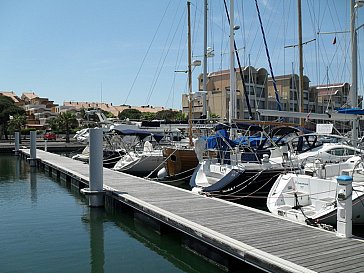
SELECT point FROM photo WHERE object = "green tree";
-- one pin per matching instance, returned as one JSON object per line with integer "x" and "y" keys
{"x": 53, "y": 124}
{"x": 17, "y": 122}
{"x": 67, "y": 121}
{"x": 7, "y": 109}
{"x": 148, "y": 116}
{"x": 170, "y": 115}
{"x": 212, "y": 115}
{"x": 130, "y": 114}
{"x": 108, "y": 114}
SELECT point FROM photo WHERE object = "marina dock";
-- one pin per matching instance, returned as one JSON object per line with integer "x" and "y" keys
{"x": 222, "y": 231}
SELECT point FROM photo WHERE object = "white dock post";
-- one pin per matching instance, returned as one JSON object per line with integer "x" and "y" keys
{"x": 33, "y": 149}
{"x": 17, "y": 142}
{"x": 45, "y": 145}
{"x": 344, "y": 206}
{"x": 95, "y": 191}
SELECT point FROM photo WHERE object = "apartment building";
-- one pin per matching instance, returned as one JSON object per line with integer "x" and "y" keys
{"x": 261, "y": 94}
{"x": 218, "y": 93}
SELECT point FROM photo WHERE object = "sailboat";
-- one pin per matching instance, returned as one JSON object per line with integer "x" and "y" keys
{"x": 180, "y": 159}
{"x": 240, "y": 169}
{"x": 312, "y": 197}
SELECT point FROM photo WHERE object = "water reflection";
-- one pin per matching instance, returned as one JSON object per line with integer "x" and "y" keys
{"x": 33, "y": 186}
{"x": 95, "y": 219}
{"x": 17, "y": 167}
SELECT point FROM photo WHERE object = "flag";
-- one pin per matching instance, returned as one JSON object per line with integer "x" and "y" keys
{"x": 334, "y": 41}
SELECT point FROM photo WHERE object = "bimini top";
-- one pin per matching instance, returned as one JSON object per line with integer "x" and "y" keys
{"x": 239, "y": 125}
{"x": 139, "y": 133}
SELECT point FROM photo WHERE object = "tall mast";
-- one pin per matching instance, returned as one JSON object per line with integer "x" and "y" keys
{"x": 300, "y": 53}
{"x": 232, "y": 105}
{"x": 204, "y": 79}
{"x": 354, "y": 71}
{"x": 190, "y": 99}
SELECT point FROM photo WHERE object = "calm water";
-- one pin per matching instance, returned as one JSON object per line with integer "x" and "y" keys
{"x": 45, "y": 227}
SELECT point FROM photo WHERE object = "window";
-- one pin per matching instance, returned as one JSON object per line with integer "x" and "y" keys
{"x": 349, "y": 152}
{"x": 337, "y": 151}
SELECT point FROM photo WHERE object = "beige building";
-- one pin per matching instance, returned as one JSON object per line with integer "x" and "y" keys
{"x": 37, "y": 109}
{"x": 218, "y": 93}
{"x": 330, "y": 96}
{"x": 261, "y": 93}
{"x": 109, "y": 107}
{"x": 287, "y": 86}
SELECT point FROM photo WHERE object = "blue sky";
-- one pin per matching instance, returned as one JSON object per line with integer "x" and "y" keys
{"x": 127, "y": 51}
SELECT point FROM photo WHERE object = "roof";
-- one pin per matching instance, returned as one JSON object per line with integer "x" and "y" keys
{"x": 330, "y": 85}
{"x": 115, "y": 110}
{"x": 29, "y": 95}
{"x": 11, "y": 95}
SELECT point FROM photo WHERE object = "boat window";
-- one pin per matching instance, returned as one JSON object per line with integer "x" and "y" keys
{"x": 337, "y": 151}
{"x": 349, "y": 152}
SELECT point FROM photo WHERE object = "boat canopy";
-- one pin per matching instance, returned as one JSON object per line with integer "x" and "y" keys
{"x": 239, "y": 125}
{"x": 139, "y": 133}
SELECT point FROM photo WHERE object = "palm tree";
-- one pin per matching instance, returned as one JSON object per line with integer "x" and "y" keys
{"x": 17, "y": 122}
{"x": 67, "y": 121}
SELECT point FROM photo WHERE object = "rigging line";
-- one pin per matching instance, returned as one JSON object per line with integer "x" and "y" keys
{"x": 146, "y": 54}
{"x": 195, "y": 26}
{"x": 211, "y": 34}
{"x": 258, "y": 55}
{"x": 267, "y": 52}
{"x": 276, "y": 46}
{"x": 313, "y": 18}
{"x": 240, "y": 69}
{"x": 323, "y": 15}
{"x": 242, "y": 30}
{"x": 251, "y": 33}
{"x": 178, "y": 62}
{"x": 161, "y": 60}
{"x": 240, "y": 19}
{"x": 161, "y": 63}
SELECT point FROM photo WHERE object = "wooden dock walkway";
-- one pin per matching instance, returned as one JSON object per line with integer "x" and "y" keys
{"x": 256, "y": 237}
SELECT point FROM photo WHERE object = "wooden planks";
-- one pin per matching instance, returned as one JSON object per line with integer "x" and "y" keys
{"x": 273, "y": 243}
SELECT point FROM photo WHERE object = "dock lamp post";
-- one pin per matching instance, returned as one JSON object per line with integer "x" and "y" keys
{"x": 95, "y": 193}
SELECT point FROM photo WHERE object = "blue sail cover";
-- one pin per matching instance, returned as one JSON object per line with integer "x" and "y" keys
{"x": 252, "y": 141}
{"x": 220, "y": 140}
{"x": 352, "y": 111}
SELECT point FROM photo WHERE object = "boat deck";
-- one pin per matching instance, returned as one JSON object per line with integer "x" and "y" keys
{"x": 253, "y": 236}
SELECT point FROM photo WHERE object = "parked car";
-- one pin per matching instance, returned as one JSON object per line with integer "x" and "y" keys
{"x": 49, "y": 136}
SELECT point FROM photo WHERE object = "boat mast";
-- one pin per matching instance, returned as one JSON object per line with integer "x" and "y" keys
{"x": 232, "y": 105}
{"x": 204, "y": 79}
{"x": 300, "y": 54}
{"x": 354, "y": 71}
{"x": 190, "y": 99}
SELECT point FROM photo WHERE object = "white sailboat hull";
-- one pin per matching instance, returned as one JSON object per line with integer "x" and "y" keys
{"x": 140, "y": 163}
{"x": 308, "y": 199}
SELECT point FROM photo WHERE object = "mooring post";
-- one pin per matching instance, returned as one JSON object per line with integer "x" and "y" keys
{"x": 33, "y": 149}
{"x": 344, "y": 206}
{"x": 17, "y": 142}
{"x": 45, "y": 145}
{"x": 95, "y": 192}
